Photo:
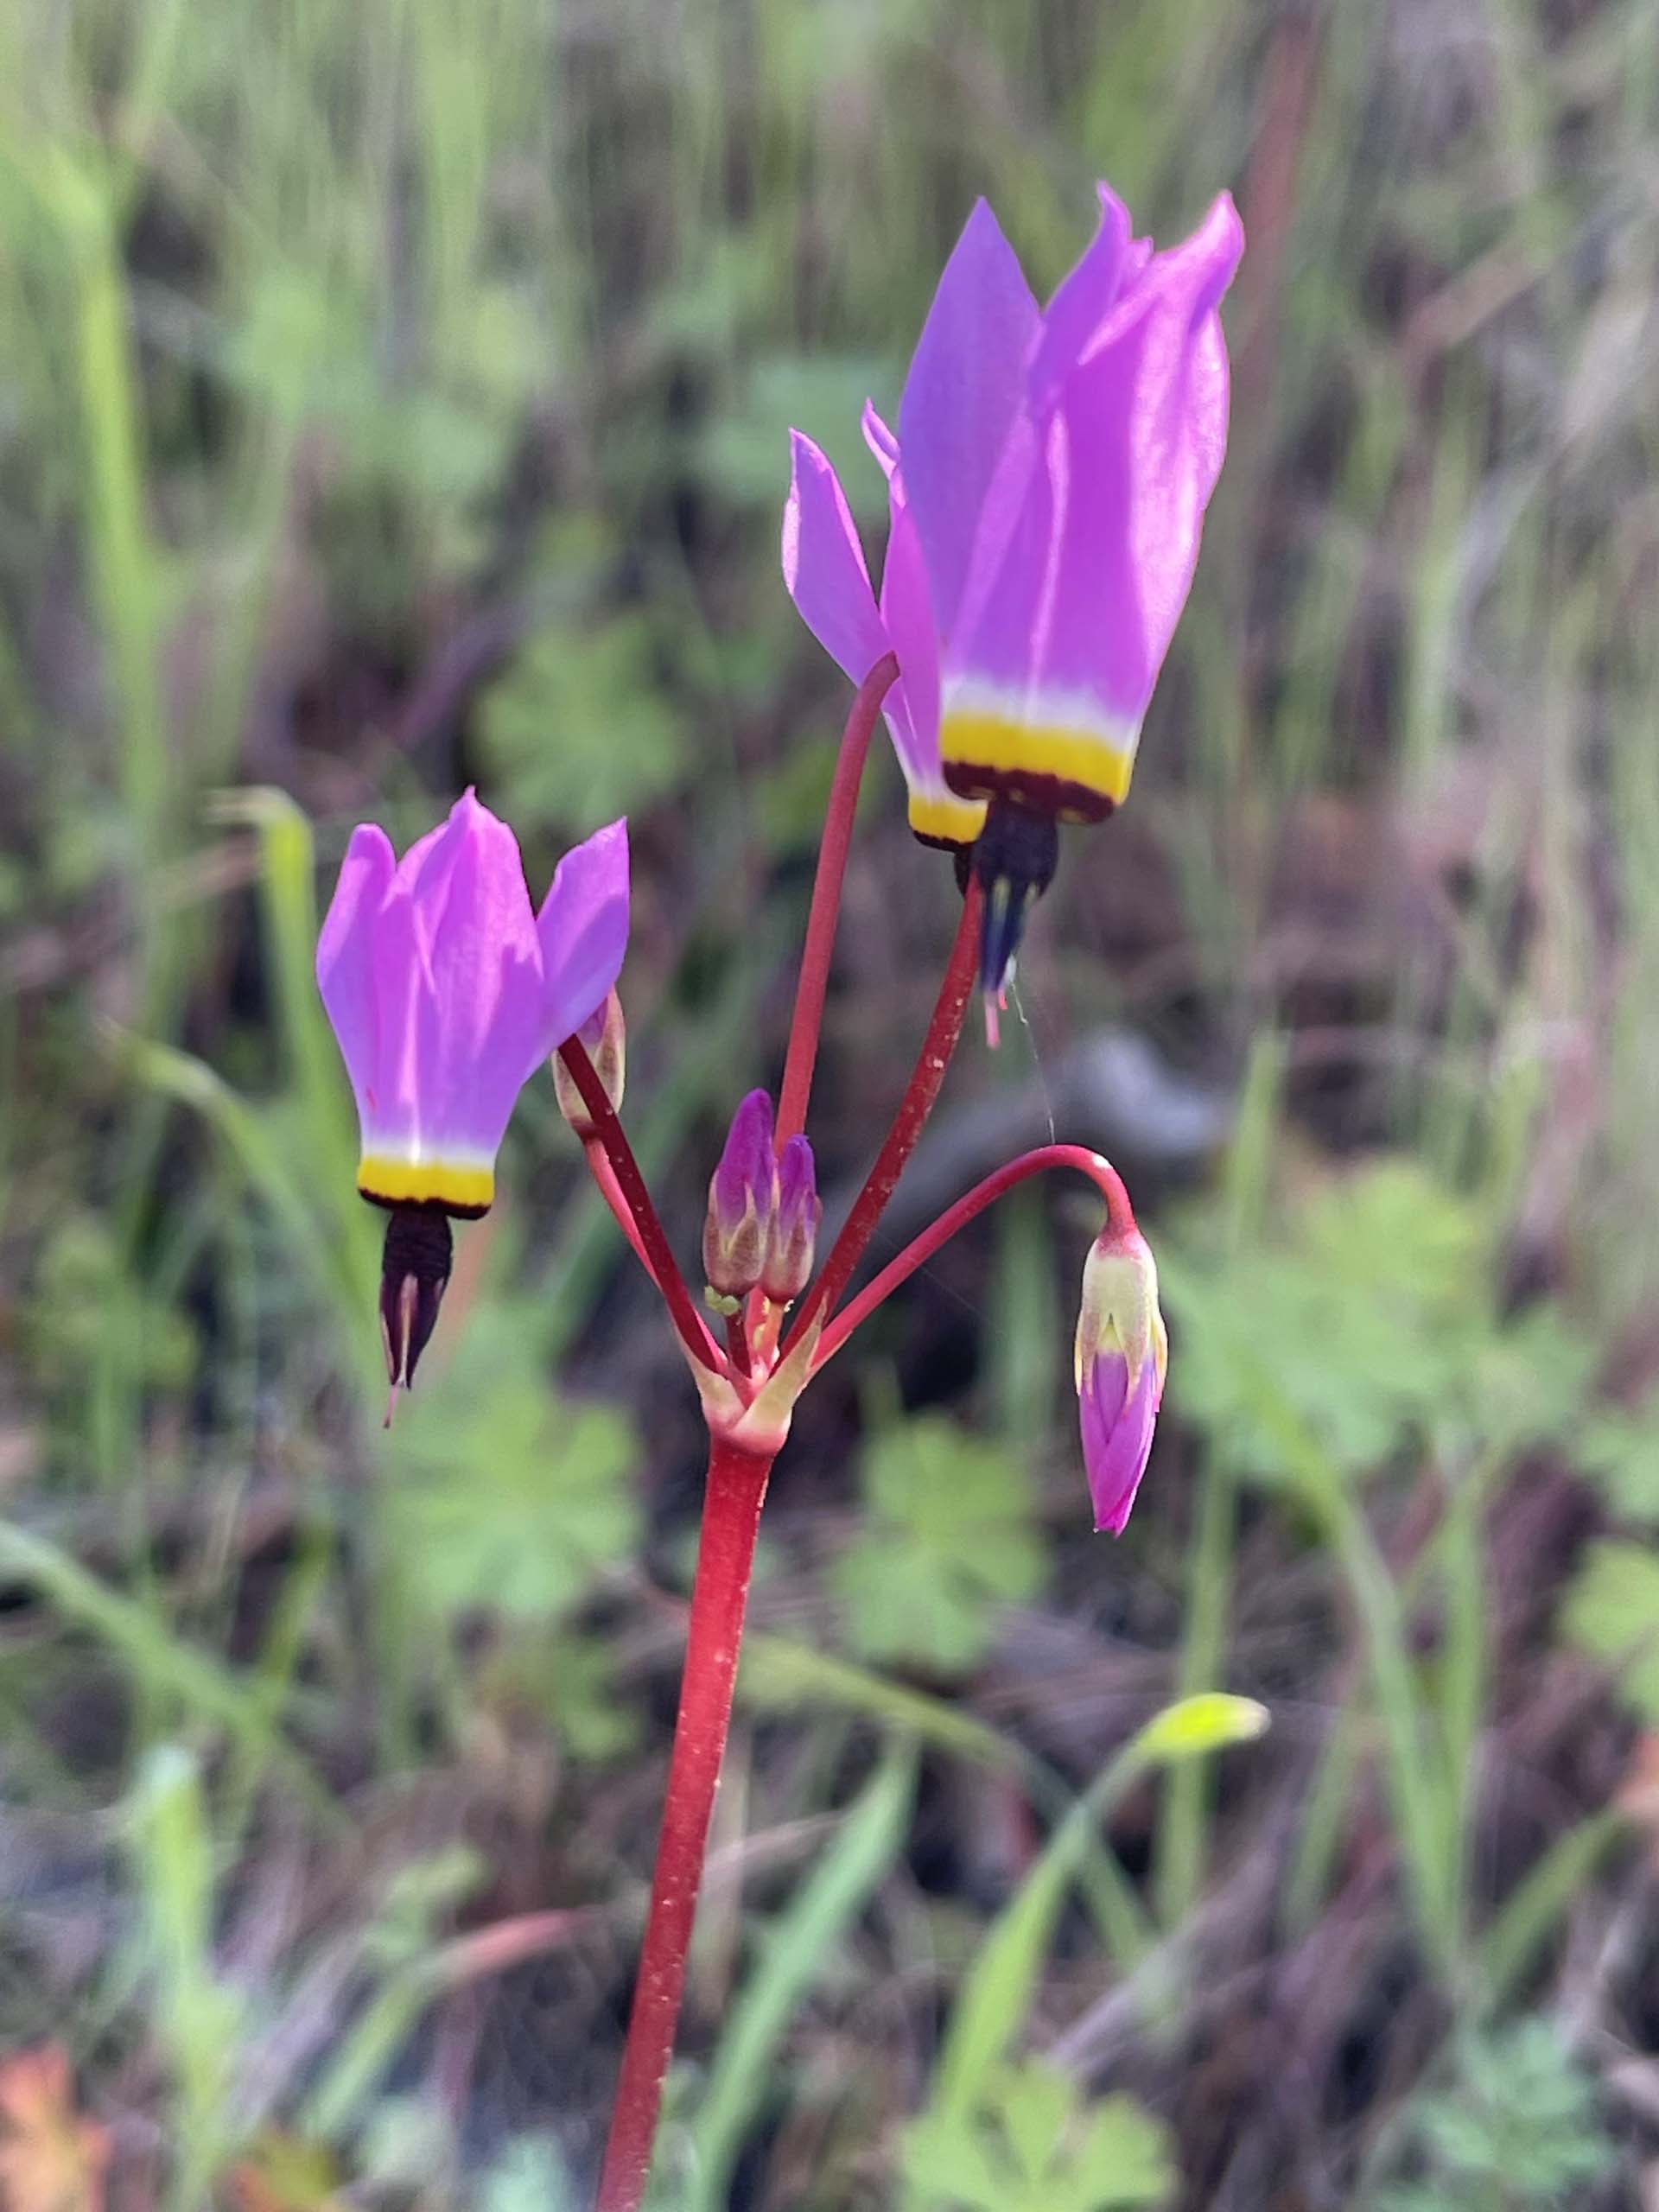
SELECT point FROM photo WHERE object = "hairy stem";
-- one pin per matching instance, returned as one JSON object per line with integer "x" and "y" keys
{"x": 731, "y": 1517}
{"x": 631, "y": 1189}
{"x": 807, "y": 1018}
{"x": 1100, "y": 1171}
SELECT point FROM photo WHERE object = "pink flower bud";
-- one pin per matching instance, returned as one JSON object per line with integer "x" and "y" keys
{"x": 742, "y": 1202}
{"x": 604, "y": 1035}
{"x": 1122, "y": 1355}
{"x": 795, "y": 1225}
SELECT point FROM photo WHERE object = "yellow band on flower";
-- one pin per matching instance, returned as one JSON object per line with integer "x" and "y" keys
{"x": 456, "y": 1188}
{"x": 990, "y": 754}
{"x": 942, "y": 818}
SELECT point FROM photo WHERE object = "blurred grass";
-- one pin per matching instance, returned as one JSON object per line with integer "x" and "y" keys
{"x": 394, "y": 397}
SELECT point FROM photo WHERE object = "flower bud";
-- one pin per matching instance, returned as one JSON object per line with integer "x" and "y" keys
{"x": 1122, "y": 1355}
{"x": 604, "y": 1036}
{"x": 742, "y": 1201}
{"x": 795, "y": 1225}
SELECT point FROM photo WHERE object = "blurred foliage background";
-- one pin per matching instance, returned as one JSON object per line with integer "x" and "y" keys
{"x": 394, "y": 396}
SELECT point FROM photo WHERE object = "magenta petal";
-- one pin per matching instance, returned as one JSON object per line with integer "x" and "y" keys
{"x": 1072, "y": 613}
{"x": 480, "y": 1019}
{"x": 823, "y": 564}
{"x": 742, "y": 1202}
{"x": 1117, "y": 1425}
{"x": 584, "y": 928}
{"x": 392, "y": 1106}
{"x": 447, "y": 993}
{"x": 912, "y": 705}
{"x": 1084, "y": 300}
{"x": 965, "y": 386}
{"x": 746, "y": 1174}
{"x": 879, "y": 439}
{"x": 345, "y": 951}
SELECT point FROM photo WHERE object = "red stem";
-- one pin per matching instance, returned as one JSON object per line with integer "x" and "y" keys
{"x": 943, "y": 1031}
{"x": 604, "y": 1175}
{"x": 630, "y": 1188}
{"x": 737, "y": 1344}
{"x": 731, "y": 1517}
{"x": 808, "y": 1017}
{"x": 1100, "y": 1171}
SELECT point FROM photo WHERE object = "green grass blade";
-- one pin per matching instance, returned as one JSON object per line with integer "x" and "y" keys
{"x": 793, "y": 1956}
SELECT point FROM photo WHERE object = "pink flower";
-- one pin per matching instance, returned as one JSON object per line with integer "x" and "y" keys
{"x": 446, "y": 992}
{"x": 1046, "y": 493}
{"x": 1122, "y": 1352}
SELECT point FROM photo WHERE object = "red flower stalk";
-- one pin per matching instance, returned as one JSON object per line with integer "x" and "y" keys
{"x": 758, "y": 1246}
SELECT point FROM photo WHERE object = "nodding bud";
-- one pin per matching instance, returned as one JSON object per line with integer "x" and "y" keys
{"x": 1121, "y": 1356}
{"x": 419, "y": 1252}
{"x": 742, "y": 1201}
{"x": 794, "y": 1226}
{"x": 605, "y": 1037}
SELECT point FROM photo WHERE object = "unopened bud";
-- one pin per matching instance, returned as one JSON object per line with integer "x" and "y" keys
{"x": 604, "y": 1037}
{"x": 742, "y": 1200}
{"x": 794, "y": 1225}
{"x": 419, "y": 1252}
{"x": 1121, "y": 1356}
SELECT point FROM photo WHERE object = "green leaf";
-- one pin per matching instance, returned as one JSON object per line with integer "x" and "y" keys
{"x": 1527, "y": 1384}
{"x": 573, "y": 1679}
{"x": 579, "y": 728}
{"x": 744, "y": 454}
{"x": 529, "y": 2176}
{"x": 1030, "y": 2144}
{"x": 791, "y": 1960}
{"x": 1125, "y": 2158}
{"x": 1515, "y": 2123}
{"x": 1612, "y": 1611}
{"x": 995, "y": 1994}
{"x": 1358, "y": 1319}
{"x": 950, "y": 1538}
{"x": 1620, "y": 1452}
{"x": 505, "y": 1497}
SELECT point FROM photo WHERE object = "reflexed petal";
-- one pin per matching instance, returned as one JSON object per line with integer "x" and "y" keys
{"x": 823, "y": 564}
{"x": 966, "y": 385}
{"x": 391, "y": 1110}
{"x": 912, "y": 705}
{"x": 478, "y": 1022}
{"x": 879, "y": 439}
{"x": 1084, "y": 300}
{"x": 345, "y": 951}
{"x": 1066, "y": 623}
{"x": 449, "y": 994}
{"x": 584, "y": 928}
